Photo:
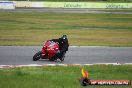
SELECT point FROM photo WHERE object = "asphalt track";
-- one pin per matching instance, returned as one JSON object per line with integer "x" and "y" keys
{"x": 22, "y": 55}
{"x": 64, "y": 10}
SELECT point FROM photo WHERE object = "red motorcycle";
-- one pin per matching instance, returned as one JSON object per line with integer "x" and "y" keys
{"x": 48, "y": 51}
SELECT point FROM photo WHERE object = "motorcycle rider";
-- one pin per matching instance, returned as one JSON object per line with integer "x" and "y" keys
{"x": 63, "y": 45}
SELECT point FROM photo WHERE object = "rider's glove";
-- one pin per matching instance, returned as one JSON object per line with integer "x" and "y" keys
{"x": 58, "y": 51}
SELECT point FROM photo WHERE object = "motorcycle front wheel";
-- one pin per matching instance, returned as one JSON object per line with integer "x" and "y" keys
{"x": 37, "y": 56}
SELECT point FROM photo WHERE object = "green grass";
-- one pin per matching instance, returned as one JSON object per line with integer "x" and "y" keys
{"x": 61, "y": 77}
{"x": 32, "y": 28}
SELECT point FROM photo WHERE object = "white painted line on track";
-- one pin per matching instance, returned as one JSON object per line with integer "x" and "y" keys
{"x": 36, "y": 65}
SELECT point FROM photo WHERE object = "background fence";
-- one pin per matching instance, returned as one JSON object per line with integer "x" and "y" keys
{"x": 78, "y": 0}
{"x": 30, "y": 4}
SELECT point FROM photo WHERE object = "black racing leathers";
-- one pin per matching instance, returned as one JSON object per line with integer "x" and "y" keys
{"x": 63, "y": 45}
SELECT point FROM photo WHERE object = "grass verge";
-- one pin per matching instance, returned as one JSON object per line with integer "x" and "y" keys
{"x": 32, "y": 28}
{"x": 61, "y": 77}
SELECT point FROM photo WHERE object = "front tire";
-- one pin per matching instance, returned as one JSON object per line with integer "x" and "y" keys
{"x": 37, "y": 56}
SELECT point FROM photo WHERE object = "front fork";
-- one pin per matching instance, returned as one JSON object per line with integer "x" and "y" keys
{"x": 44, "y": 53}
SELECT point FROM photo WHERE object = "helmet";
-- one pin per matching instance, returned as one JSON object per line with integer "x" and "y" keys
{"x": 64, "y": 37}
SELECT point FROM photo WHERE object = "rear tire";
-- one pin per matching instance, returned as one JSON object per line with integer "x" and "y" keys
{"x": 37, "y": 56}
{"x": 52, "y": 59}
{"x": 63, "y": 56}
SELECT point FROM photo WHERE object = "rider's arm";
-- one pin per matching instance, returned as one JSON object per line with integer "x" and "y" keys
{"x": 65, "y": 47}
{"x": 55, "y": 40}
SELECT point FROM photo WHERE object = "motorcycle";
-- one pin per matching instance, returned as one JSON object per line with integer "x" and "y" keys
{"x": 48, "y": 51}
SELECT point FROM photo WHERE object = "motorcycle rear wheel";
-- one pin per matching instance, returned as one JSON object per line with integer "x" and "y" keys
{"x": 52, "y": 59}
{"x": 37, "y": 56}
{"x": 63, "y": 56}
